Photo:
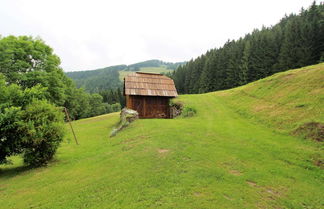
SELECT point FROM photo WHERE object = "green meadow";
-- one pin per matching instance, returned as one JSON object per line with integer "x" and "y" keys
{"x": 238, "y": 151}
{"x": 161, "y": 69}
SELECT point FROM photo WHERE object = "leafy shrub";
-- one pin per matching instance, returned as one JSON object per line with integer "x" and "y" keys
{"x": 188, "y": 112}
{"x": 44, "y": 132}
{"x": 10, "y": 133}
{"x": 28, "y": 124}
{"x": 112, "y": 107}
{"x": 116, "y": 107}
{"x": 178, "y": 108}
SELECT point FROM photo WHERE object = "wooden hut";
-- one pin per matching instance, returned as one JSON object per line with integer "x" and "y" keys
{"x": 149, "y": 94}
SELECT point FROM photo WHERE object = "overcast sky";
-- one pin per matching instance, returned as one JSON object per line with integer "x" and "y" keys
{"x": 93, "y": 34}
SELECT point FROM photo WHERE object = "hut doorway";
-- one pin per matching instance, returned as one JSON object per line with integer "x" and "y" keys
{"x": 149, "y": 106}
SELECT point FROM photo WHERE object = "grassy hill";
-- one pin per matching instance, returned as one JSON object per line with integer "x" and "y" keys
{"x": 284, "y": 101}
{"x": 237, "y": 152}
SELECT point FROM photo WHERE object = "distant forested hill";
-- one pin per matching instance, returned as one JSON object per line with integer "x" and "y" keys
{"x": 97, "y": 80}
{"x": 155, "y": 63}
{"x": 110, "y": 78}
{"x": 296, "y": 41}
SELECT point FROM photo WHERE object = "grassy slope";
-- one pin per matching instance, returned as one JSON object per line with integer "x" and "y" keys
{"x": 221, "y": 158}
{"x": 161, "y": 69}
{"x": 285, "y": 100}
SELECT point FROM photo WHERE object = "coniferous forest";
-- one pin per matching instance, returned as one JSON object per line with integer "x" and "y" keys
{"x": 296, "y": 41}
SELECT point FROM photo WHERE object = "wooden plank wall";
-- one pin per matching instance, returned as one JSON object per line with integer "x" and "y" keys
{"x": 149, "y": 106}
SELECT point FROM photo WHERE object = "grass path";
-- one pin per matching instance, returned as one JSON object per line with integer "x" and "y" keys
{"x": 216, "y": 159}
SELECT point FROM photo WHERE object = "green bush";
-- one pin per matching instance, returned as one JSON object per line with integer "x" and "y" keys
{"x": 29, "y": 125}
{"x": 116, "y": 107}
{"x": 188, "y": 112}
{"x": 10, "y": 133}
{"x": 44, "y": 132}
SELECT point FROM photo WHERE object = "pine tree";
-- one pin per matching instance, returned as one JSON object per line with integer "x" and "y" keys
{"x": 244, "y": 66}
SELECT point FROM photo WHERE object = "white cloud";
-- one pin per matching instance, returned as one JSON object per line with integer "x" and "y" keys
{"x": 91, "y": 34}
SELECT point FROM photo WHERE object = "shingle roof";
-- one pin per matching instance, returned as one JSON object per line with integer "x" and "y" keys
{"x": 149, "y": 84}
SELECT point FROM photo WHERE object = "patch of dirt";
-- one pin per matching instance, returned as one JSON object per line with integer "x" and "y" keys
{"x": 288, "y": 76}
{"x": 261, "y": 107}
{"x": 271, "y": 194}
{"x": 312, "y": 130}
{"x": 3, "y": 187}
{"x": 130, "y": 140}
{"x": 268, "y": 193}
{"x": 227, "y": 197}
{"x": 198, "y": 194}
{"x": 319, "y": 163}
{"x": 317, "y": 91}
{"x": 126, "y": 141}
{"x": 252, "y": 183}
{"x": 235, "y": 172}
{"x": 161, "y": 151}
{"x": 224, "y": 93}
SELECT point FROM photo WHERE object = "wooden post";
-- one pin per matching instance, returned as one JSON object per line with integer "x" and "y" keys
{"x": 68, "y": 117}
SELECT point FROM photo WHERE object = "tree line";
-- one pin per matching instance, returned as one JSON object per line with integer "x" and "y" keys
{"x": 93, "y": 81}
{"x": 27, "y": 62}
{"x": 113, "y": 96}
{"x": 296, "y": 41}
